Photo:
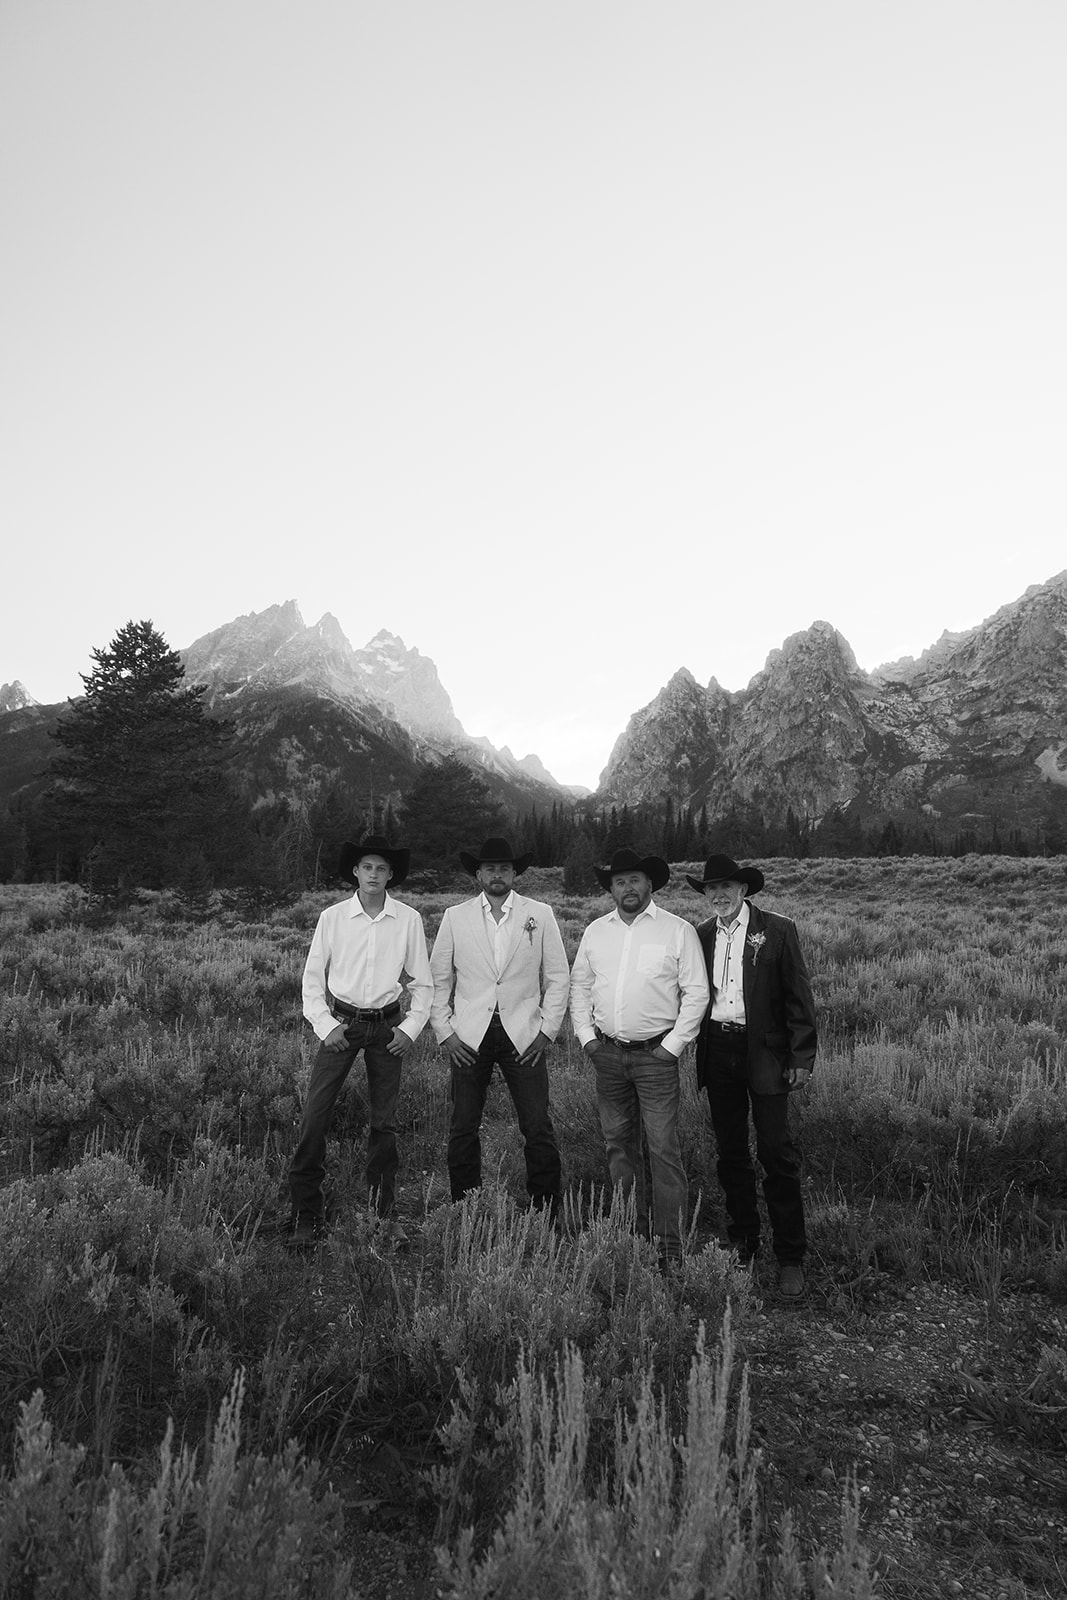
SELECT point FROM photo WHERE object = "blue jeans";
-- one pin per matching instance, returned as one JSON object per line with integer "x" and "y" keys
{"x": 328, "y": 1074}
{"x": 635, "y": 1089}
{"x": 528, "y": 1087}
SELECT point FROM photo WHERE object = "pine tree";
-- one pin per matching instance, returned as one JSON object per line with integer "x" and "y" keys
{"x": 579, "y": 875}
{"x": 138, "y": 781}
{"x": 451, "y": 808}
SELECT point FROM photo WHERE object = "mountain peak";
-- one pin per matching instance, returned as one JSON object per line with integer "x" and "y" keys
{"x": 14, "y": 697}
{"x": 408, "y": 682}
{"x": 273, "y": 649}
{"x": 819, "y": 642}
{"x": 391, "y": 641}
{"x": 977, "y": 720}
{"x": 330, "y": 631}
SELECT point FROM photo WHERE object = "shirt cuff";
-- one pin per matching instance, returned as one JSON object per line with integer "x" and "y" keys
{"x": 323, "y": 1026}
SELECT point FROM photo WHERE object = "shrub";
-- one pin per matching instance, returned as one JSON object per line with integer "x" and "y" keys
{"x": 675, "y": 1513}
{"x": 242, "y": 1526}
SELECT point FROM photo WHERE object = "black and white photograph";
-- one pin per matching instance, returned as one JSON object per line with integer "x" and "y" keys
{"x": 533, "y": 800}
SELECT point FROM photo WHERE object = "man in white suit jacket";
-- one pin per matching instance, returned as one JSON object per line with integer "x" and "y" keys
{"x": 501, "y": 981}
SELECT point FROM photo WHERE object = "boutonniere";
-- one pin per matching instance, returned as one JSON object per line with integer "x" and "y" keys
{"x": 530, "y": 929}
{"x": 757, "y": 941}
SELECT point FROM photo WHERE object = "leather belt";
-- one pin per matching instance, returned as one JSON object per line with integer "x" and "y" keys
{"x": 632, "y": 1044}
{"x": 347, "y": 1013}
{"x": 727, "y": 1027}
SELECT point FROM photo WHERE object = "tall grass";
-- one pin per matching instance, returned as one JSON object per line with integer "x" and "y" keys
{"x": 569, "y": 1400}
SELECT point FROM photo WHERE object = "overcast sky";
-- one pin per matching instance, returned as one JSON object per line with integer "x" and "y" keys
{"x": 573, "y": 342}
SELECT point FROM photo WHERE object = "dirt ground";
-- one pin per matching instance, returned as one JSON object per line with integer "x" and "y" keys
{"x": 943, "y": 1408}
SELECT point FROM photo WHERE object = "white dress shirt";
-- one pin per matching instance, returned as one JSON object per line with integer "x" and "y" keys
{"x": 639, "y": 979}
{"x": 362, "y": 959}
{"x": 497, "y": 930}
{"x": 728, "y": 992}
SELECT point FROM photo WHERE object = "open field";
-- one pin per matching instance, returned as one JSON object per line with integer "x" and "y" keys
{"x": 600, "y": 1430}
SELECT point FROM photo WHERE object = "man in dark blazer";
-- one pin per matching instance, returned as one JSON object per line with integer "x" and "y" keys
{"x": 756, "y": 1044}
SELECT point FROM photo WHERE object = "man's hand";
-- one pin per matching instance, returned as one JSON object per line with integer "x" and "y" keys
{"x": 400, "y": 1042}
{"x": 797, "y": 1077}
{"x": 337, "y": 1038}
{"x": 460, "y": 1054}
{"x": 534, "y": 1049}
{"x": 592, "y": 1047}
{"x": 659, "y": 1054}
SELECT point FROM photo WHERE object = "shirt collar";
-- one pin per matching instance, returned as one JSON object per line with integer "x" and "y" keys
{"x": 505, "y": 905}
{"x": 651, "y": 910}
{"x": 739, "y": 926}
{"x": 356, "y": 908}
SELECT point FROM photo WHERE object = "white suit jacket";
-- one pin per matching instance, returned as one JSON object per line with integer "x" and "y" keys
{"x": 531, "y": 990}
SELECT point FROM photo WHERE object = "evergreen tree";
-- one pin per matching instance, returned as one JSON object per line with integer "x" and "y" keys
{"x": 450, "y": 808}
{"x": 579, "y": 875}
{"x": 668, "y": 843}
{"x": 890, "y": 841}
{"x": 138, "y": 781}
{"x": 334, "y": 818}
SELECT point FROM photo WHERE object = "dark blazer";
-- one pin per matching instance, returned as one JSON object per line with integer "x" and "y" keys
{"x": 779, "y": 1006}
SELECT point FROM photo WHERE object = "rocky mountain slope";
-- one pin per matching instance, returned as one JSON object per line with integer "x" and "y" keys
{"x": 394, "y": 693}
{"x": 309, "y": 714}
{"x": 274, "y": 648}
{"x": 978, "y": 723}
{"x": 974, "y": 727}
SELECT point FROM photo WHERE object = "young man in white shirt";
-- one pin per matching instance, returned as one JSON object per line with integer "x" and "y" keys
{"x": 365, "y": 951}
{"x": 639, "y": 989}
{"x": 500, "y": 978}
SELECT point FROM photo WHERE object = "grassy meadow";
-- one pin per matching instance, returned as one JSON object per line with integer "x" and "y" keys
{"x": 190, "y": 1410}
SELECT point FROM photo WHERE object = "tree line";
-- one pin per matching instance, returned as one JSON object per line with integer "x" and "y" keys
{"x": 142, "y": 792}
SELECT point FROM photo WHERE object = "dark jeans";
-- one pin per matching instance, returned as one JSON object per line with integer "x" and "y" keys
{"x": 636, "y": 1090}
{"x": 528, "y": 1087}
{"x": 328, "y": 1074}
{"x": 730, "y": 1100}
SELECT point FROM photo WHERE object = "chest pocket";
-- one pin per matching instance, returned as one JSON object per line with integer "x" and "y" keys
{"x": 652, "y": 960}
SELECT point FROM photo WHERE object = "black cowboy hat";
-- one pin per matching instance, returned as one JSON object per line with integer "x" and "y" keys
{"x": 627, "y": 860}
{"x": 374, "y": 845}
{"x": 721, "y": 869}
{"x": 495, "y": 850}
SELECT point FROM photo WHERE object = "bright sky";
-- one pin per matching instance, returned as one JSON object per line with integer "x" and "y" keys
{"x": 574, "y": 341}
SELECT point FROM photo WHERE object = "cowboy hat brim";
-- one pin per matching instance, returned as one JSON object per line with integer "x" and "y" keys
{"x": 654, "y": 868}
{"x": 351, "y": 854}
{"x": 472, "y": 863}
{"x": 751, "y": 877}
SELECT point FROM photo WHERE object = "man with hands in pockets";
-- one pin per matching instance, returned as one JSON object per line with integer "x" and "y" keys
{"x": 500, "y": 977}
{"x": 639, "y": 989}
{"x": 365, "y": 950}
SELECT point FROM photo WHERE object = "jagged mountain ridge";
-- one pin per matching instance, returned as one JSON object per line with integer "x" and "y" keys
{"x": 977, "y": 724}
{"x": 394, "y": 692}
{"x": 308, "y": 714}
{"x": 275, "y": 648}
{"x": 979, "y": 719}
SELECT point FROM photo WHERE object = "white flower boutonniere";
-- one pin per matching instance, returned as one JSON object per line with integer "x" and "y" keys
{"x": 530, "y": 929}
{"x": 757, "y": 941}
